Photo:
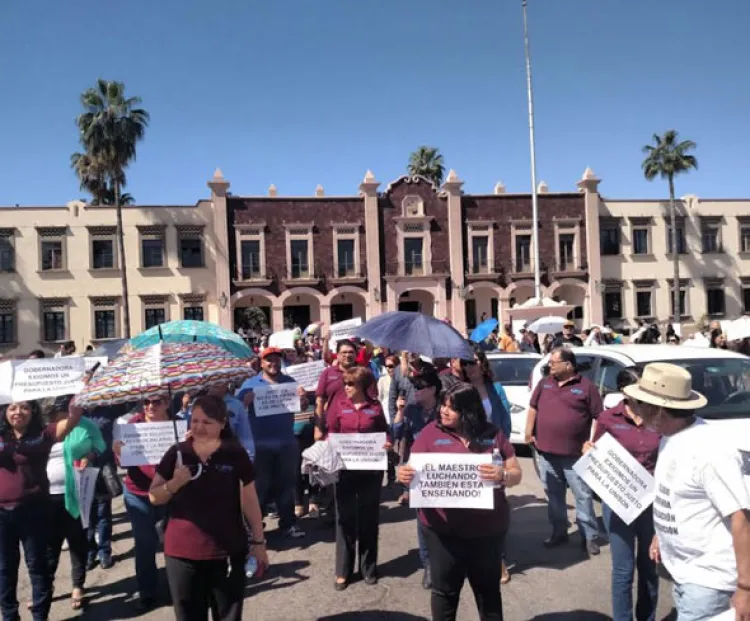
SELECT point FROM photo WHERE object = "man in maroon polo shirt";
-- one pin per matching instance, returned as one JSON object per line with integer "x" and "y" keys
{"x": 561, "y": 412}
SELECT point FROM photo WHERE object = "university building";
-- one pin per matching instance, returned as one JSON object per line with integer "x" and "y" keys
{"x": 406, "y": 245}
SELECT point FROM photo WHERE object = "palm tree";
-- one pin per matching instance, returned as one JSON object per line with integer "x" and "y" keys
{"x": 666, "y": 158}
{"x": 110, "y": 128}
{"x": 427, "y": 162}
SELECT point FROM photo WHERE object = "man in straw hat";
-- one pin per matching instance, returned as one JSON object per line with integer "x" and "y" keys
{"x": 702, "y": 504}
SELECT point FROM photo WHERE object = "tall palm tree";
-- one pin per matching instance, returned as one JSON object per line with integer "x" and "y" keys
{"x": 109, "y": 130}
{"x": 667, "y": 157}
{"x": 428, "y": 162}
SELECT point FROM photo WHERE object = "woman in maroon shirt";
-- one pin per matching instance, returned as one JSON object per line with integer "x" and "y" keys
{"x": 357, "y": 491}
{"x": 629, "y": 544}
{"x": 25, "y": 445}
{"x": 205, "y": 543}
{"x": 146, "y": 519}
{"x": 466, "y": 543}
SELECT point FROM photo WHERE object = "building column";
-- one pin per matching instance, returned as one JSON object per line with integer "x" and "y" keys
{"x": 219, "y": 187}
{"x": 452, "y": 189}
{"x": 593, "y": 308}
{"x": 393, "y": 296}
{"x": 325, "y": 314}
{"x": 368, "y": 190}
{"x": 277, "y": 318}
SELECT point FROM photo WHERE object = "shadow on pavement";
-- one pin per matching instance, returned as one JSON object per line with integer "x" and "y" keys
{"x": 401, "y": 567}
{"x": 372, "y": 615}
{"x": 574, "y": 615}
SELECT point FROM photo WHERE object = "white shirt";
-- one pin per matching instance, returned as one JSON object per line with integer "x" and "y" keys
{"x": 384, "y": 390}
{"x": 699, "y": 485}
{"x": 56, "y": 469}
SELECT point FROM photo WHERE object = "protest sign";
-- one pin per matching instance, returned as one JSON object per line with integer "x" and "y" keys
{"x": 85, "y": 482}
{"x": 450, "y": 481}
{"x": 283, "y": 340}
{"x": 145, "y": 443}
{"x": 360, "y": 451}
{"x": 343, "y": 330}
{"x": 617, "y": 478}
{"x": 273, "y": 399}
{"x": 307, "y": 374}
{"x": 26, "y": 380}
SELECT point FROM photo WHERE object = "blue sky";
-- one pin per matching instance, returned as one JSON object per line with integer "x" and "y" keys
{"x": 301, "y": 92}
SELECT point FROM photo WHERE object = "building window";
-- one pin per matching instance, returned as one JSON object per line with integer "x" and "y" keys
{"x": 193, "y": 306}
{"x": 644, "y": 292}
{"x": 346, "y": 250}
{"x": 609, "y": 240}
{"x": 250, "y": 259}
{"x": 7, "y": 322}
{"x": 715, "y": 299}
{"x": 191, "y": 246}
{"x": 154, "y": 317}
{"x": 194, "y": 313}
{"x": 744, "y": 239}
{"x": 612, "y": 304}
{"x": 566, "y": 251}
{"x": 413, "y": 256}
{"x": 106, "y": 318}
{"x": 681, "y": 247}
{"x": 345, "y": 258}
{"x": 152, "y": 246}
{"x": 103, "y": 254}
{"x": 711, "y": 236}
{"x": 52, "y": 249}
{"x": 480, "y": 245}
{"x": 523, "y": 253}
{"x": 7, "y": 251}
{"x": 54, "y": 320}
{"x": 683, "y": 298}
{"x": 640, "y": 240}
{"x": 746, "y": 299}
{"x": 155, "y": 310}
{"x": 299, "y": 240}
{"x": 299, "y": 258}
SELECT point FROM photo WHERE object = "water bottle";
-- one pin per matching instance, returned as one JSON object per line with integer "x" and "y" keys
{"x": 497, "y": 460}
{"x": 251, "y": 567}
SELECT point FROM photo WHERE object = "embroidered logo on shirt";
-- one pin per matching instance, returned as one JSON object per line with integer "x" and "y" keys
{"x": 225, "y": 468}
{"x": 576, "y": 391}
{"x": 443, "y": 442}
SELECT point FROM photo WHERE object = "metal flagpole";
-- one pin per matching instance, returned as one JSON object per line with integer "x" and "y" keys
{"x": 534, "y": 205}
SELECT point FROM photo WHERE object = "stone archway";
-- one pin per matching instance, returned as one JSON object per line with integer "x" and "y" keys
{"x": 246, "y": 304}
{"x": 519, "y": 292}
{"x": 417, "y": 300}
{"x": 574, "y": 293}
{"x": 300, "y": 307}
{"x": 482, "y": 302}
{"x": 347, "y": 303}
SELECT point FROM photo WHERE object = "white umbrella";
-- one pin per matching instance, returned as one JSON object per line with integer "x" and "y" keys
{"x": 547, "y": 325}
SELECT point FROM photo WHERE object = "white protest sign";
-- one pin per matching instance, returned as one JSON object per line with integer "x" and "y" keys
{"x": 26, "y": 380}
{"x": 92, "y": 361}
{"x": 283, "y": 340}
{"x": 85, "y": 482}
{"x": 729, "y": 615}
{"x": 450, "y": 481}
{"x": 145, "y": 443}
{"x": 619, "y": 480}
{"x": 343, "y": 330}
{"x": 360, "y": 451}
{"x": 273, "y": 399}
{"x": 307, "y": 374}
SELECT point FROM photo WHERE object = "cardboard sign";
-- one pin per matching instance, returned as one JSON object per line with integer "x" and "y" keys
{"x": 307, "y": 374}
{"x": 283, "y": 340}
{"x": 450, "y": 481}
{"x": 27, "y": 380}
{"x": 619, "y": 480}
{"x": 360, "y": 451}
{"x": 85, "y": 482}
{"x": 271, "y": 399}
{"x": 343, "y": 330}
{"x": 144, "y": 444}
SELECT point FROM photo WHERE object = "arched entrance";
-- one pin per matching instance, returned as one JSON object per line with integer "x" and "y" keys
{"x": 347, "y": 304}
{"x": 482, "y": 302}
{"x": 301, "y": 307}
{"x": 520, "y": 293}
{"x": 251, "y": 310}
{"x": 418, "y": 301}
{"x": 573, "y": 294}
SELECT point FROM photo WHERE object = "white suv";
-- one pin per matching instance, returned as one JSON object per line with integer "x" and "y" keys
{"x": 514, "y": 372}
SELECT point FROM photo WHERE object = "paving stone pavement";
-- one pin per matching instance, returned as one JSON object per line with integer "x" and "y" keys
{"x": 547, "y": 585}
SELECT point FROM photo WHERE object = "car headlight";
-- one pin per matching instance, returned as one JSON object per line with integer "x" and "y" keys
{"x": 516, "y": 409}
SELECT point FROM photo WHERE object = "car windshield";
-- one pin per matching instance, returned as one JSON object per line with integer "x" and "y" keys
{"x": 725, "y": 382}
{"x": 514, "y": 371}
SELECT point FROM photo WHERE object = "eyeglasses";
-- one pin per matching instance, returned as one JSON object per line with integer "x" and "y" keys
{"x": 390, "y": 366}
{"x": 152, "y": 402}
{"x": 350, "y": 384}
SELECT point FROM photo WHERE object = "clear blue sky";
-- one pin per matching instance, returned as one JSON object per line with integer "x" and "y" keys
{"x": 301, "y": 92}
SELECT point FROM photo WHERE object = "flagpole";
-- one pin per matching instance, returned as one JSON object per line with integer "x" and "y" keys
{"x": 534, "y": 204}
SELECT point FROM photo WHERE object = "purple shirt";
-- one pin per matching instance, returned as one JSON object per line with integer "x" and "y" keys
{"x": 467, "y": 523}
{"x": 641, "y": 442}
{"x": 344, "y": 417}
{"x": 23, "y": 466}
{"x": 564, "y": 414}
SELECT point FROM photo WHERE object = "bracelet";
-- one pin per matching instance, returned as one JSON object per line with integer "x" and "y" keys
{"x": 258, "y": 543}
{"x": 743, "y": 587}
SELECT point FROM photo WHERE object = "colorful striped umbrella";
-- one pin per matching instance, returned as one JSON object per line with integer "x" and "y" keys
{"x": 190, "y": 331}
{"x": 162, "y": 370}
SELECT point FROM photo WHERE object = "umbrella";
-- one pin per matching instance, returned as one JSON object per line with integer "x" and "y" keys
{"x": 483, "y": 330}
{"x": 547, "y": 325}
{"x": 190, "y": 331}
{"x": 417, "y": 333}
{"x": 160, "y": 370}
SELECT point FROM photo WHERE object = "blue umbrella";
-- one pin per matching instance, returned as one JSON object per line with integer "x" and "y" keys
{"x": 416, "y": 333}
{"x": 483, "y": 330}
{"x": 189, "y": 331}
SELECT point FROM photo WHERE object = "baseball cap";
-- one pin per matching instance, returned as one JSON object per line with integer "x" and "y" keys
{"x": 569, "y": 324}
{"x": 268, "y": 351}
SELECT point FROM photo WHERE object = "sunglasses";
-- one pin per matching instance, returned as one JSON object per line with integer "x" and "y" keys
{"x": 468, "y": 363}
{"x": 152, "y": 402}
{"x": 350, "y": 384}
{"x": 390, "y": 366}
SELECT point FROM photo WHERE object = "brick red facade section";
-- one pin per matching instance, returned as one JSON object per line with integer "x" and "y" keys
{"x": 434, "y": 206}
{"x": 504, "y": 209}
{"x": 280, "y": 211}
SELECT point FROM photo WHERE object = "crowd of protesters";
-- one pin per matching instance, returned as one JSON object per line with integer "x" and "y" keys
{"x": 204, "y": 504}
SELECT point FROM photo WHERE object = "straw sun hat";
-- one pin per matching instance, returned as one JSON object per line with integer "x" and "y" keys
{"x": 668, "y": 386}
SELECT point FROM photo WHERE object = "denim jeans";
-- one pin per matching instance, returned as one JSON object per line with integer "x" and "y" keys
{"x": 698, "y": 603}
{"x": 629, "y": 546}
{"x": 143, "y": 518}
{"x": 100, "y": 523}
{"x": 557, "y": 474}
{"x": 424, "y": 556}
{"x": 276, "y": 470}
{"x": 27, "y": 525}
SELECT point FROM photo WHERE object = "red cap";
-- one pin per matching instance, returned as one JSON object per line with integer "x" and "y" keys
{"x": 268, "y": 351}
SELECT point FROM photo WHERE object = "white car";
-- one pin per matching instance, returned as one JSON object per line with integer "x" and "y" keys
{"x": 722, "y": 376}
{"x": 513, "y": 371}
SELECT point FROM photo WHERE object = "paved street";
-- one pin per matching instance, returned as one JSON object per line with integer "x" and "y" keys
{"x": 553, "y": 585}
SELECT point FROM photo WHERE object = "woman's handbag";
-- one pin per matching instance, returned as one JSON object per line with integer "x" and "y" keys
{"x": 111, "y": 479}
